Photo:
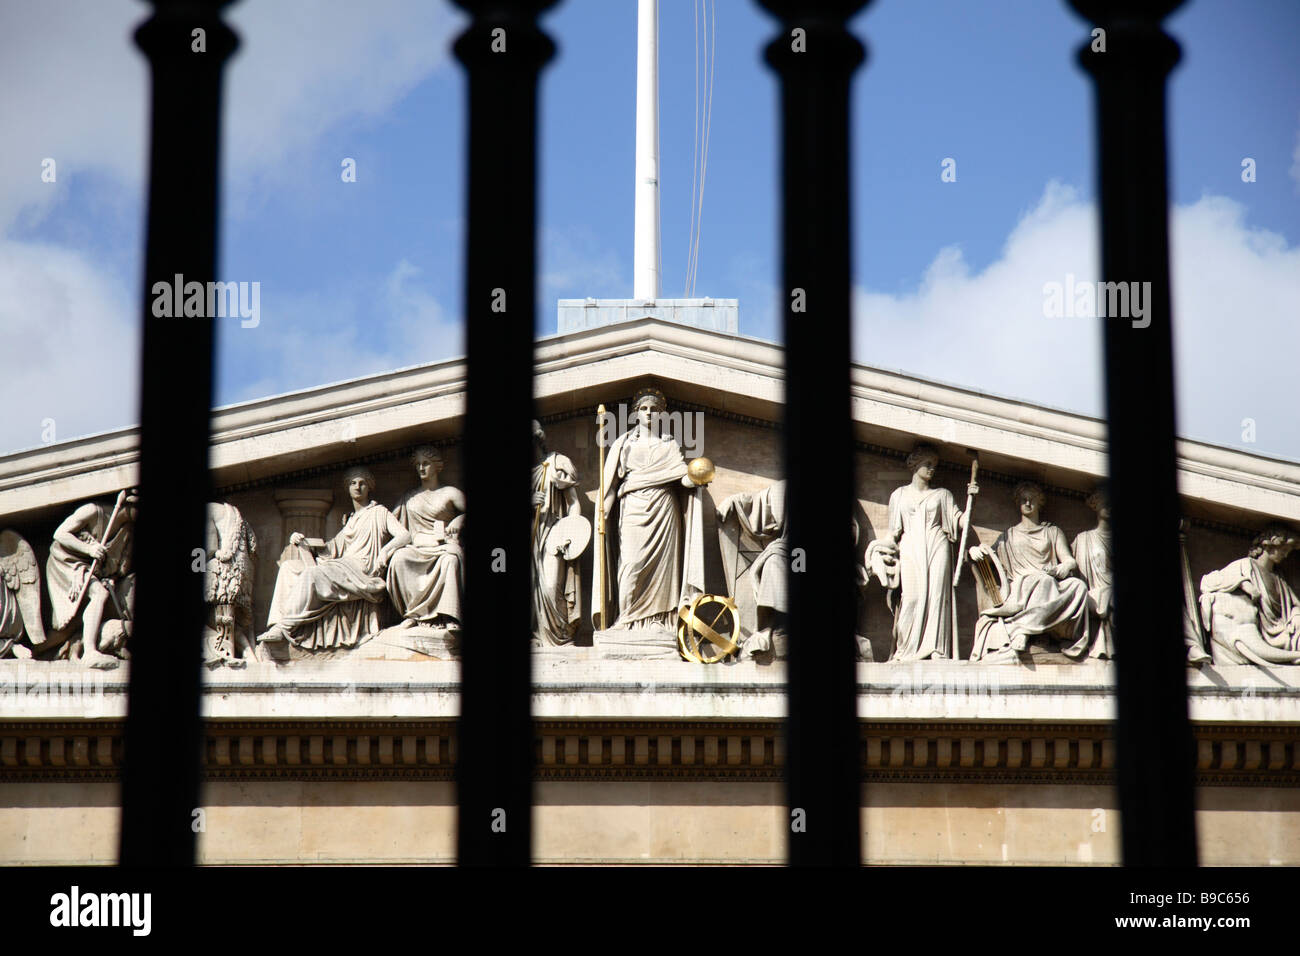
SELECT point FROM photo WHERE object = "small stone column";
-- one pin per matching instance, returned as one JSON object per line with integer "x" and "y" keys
{"x": 303, "y": 509}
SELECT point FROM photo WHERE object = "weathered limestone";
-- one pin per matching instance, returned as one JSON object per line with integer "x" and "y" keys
{"x": 21, "y": 627}
{"x": 658, "y": 539}
{"x": 334, "y": 603}
{"x": 426, "y": 576}
{"x": 560, "y": 536}
{"x": 924, "y": 523}
{"x": 276, "y": 460}
{"x": 761, "y": 517}
{"x": 230, "y": 568}
{"x": 1252, "y": 614}
{"x": 1041, "y": 596}
{"x": 1091, "y": 550}
{"x": 91, "y": 587}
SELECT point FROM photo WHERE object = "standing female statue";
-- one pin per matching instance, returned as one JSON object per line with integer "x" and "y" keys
{"x": 427, "y": 578}
{"x": 334, "y": 603}
{"x": 657, "y": 553}
{"x": 924, "y": 523}
{"x": 1092, "y": 553}
{"x": 560, "y": 534}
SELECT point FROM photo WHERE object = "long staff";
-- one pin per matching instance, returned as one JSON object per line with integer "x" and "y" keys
{"x": 961, "y": 547}
{"x": 600, "y": 517}
{"x": 78, "y": 593}
{"x": 537, "y": 515}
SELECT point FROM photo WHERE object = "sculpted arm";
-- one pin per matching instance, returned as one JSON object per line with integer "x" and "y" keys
{"x": 741, "y": 499}
{"x": 456, "y": 499}
{"x": 571, "y": 499}
{"x": 66, "y": 534}
{"x": 1231, "y": 578}
{"x": 1066, "y": 565}
{"x": 399, "y": 538}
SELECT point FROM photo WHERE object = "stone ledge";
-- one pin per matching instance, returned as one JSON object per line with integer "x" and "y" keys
{"x": 577, "y": 685}
{"x": 753, "y": 750}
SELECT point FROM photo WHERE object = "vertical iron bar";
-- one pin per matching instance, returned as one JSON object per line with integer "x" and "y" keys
{"x": 503, "y": 51}
{"x": 161, "y": 762}
{"x": 1155, "y": 749}
{"x": 815, "y": 57}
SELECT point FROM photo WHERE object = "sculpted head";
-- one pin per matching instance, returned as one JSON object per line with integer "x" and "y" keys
{"x": 648, "y": 403}
{"x": 1099, "y": 501}
{"x": 427, "y": 461}
{"x": 1029, "y": 498}
{"x": 923, "y": 459}
{"x": 131, "y": 505}
{"x": 360, "y": 483}
{"x": 1276, "y": 541}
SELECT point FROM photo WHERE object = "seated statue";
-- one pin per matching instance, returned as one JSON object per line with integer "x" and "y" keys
{"x": 90, "y": 583}
{"x": 1252, "y": 614}
{"x": 228, "y": 588}
{"x": 426, "y": 578}
{"x": 761, "y": 515}
{"x": 335, "y": 603}
{"x": 20, "y": 598}
{"x": 1041, "y": 595}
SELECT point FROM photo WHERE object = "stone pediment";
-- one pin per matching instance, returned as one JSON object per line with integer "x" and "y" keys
{"x": 730, "y": 375}
{"x": 281, "y": 462}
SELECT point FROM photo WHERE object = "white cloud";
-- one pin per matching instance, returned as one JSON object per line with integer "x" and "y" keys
{"x": 74, "y": 327}
{"x": 78, "y": 93}
{"x": 78, "y": 85}
{"x": 1235, "y": 290}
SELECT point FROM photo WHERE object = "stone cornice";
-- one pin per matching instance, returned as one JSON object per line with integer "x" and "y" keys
{"x": 985, "y": 752}
{"x": 364, "y": 419}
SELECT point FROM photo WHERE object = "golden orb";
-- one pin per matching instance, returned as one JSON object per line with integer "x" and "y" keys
{"x": 700, "y": 471}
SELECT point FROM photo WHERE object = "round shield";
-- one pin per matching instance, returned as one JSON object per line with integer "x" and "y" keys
{"x": 569, "y": 537}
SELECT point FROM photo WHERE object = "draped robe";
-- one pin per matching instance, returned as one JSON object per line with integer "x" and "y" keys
{"x": 1267, "y": 626}
{"x": 1092, "y": 552}
{"x": 762, "y": 517}
{"x": 660, "y": 550}
{"x": 335, "y": 602}
{"x": 929, "y": 522}
{"x": 556, "y": 590}
{"x": 1037, "y": 603}
{"x": 65, "y": 570}
{"x": 427, "y": 577}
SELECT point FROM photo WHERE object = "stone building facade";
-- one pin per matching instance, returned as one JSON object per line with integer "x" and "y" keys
{"x": 346, "y": 756}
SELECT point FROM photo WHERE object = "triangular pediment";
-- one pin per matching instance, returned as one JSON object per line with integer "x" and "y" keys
{"x": 730, "y": 376}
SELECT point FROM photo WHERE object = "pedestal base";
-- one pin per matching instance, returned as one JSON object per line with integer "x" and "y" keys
{"x": 636, "y": 644}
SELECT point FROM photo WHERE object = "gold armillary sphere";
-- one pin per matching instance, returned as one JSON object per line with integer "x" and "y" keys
{"x": 694, "y": 634}
{"x": 700, "y": 471}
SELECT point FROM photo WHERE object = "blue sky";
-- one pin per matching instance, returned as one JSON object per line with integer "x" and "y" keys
{"x": 361, "y": 277}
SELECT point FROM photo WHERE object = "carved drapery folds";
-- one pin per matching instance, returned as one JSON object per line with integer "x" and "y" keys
{"x": 1250, "y": 611}
{"x": 390, "y": 584}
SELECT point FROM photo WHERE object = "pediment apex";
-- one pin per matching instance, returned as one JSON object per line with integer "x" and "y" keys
{"x": 726, "y": 374}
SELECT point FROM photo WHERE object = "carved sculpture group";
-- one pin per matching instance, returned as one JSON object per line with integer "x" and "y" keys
{"x": 1032, "y": 585}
